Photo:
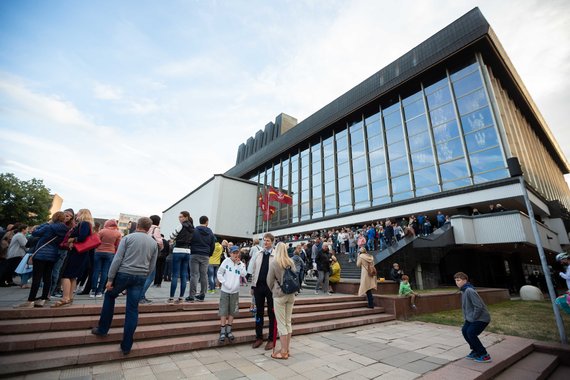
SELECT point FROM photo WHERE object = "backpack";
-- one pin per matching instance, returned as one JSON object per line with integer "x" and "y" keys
{"x": 290, "y": 281}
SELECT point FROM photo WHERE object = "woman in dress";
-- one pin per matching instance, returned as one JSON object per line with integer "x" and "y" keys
{"x": 45, "y": 255}
{"x": 283, "y": 303}
{"x": 76, "y": 262}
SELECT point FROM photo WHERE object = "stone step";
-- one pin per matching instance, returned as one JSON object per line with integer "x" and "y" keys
{"x": 560, "y": 373}
{"x": 504, "y": 355}
{"x": 157, "y": 306}
{"x": 536, "y": 365}
{"x": 40, "y": 325}
{"x": 57, "y": 358}
{"x": 82, "y": 336}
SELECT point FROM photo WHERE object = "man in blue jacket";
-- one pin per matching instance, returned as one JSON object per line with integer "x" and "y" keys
{"x": 202, "y": 246}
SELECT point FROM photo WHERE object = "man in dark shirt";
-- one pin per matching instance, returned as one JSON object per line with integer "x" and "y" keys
{"x": 261, "y": 291}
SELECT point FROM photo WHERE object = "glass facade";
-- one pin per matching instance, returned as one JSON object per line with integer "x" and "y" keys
{"x": 441, "y": 137}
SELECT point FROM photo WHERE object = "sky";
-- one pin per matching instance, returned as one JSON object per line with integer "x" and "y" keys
{"x": 127, "y": 106}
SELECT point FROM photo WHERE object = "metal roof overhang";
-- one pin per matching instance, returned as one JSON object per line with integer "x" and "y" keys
{"x": 469, "y": 32}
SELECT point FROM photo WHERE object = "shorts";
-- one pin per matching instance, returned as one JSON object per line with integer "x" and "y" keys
{"x": 229, "y": 304}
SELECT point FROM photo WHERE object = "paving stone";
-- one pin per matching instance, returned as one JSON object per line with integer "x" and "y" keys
{"x": 168, "y": 375}
{"x": 116, "y": 375}
{"x": 159, "y": 360}
{"x": 105, "y": 368}
{"x": 361, "y": 359}
{"x": 195, "y": 371}
{"x": 142, "y": 371}
{"x": 317, "y": 374}
{"x": 75, "y": 372}
{"x": 420, "y": 366}
{"x": 400, "y": 374}
{"x": 228, "y": 374}
{"x": 221, "y": 366}
{"x": 282, "y": 373}
{"x": 164, "y": 367}
{"x": 188, "y": 363}
{"x": 134, "y": 363}
{"x": 251, "y": 370}
{"x": 43, "y": 375}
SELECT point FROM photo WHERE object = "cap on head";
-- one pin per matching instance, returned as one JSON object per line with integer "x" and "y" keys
{"x": 561, "y": 256}
{"x": 233, "y": 248}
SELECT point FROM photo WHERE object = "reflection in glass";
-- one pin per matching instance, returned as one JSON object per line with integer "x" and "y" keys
{"x": 401, "y": 184}
{"x": 449, "y": 150}
{"x": 417, "y": 125}
{"x": 359, "y": 164}
{"x": 467, "y": 84}
{"x": 329, "y": 175}
{"x": 438, "y": 98}
{"x": 464, "y": 71}
{"x": 342, "y": 156}
{"x": 402, "y": 196}
{"x": 433, "y": 87}
{"x": 394, "y": 135}
{"x": 442, "y": 114}
{"x": 380, "y": 189}
{"x": 445, "y": 132}
{"x": 419, "y": 142}
{"x": 361, "y": 194}
{"x": 482, "y": 139}
{"x": 487, "y": 160}
{"x": 343, "y": 170}
{"x": 425, "y": 177}
{"x": 329, "y": 188}
{"x": 377, "y": 157}
{"x": 477, "y": 120}
{"x": 452, "y": 170}
{"x": 471, "y": 102}
{"x": 330, "y": 203}
{"x": 412, "y": 98}
{"x": 328, "y": 149}
{"x": 414, "y": 109}
{"x": 373, "y": 128}
{"x": 378, "y": 173}
{"x": 375, "y": 143}
{"x": 357, "y": 150}
{"x": 356, "y": 134}
{"x": 360, "y": 179}
{"x": 391, "y": 120}
{"x": 422, "y": 159}
{"x": 456, "y": 184}
{"x": 344, "y": 198}
{"x": 491, "y": 176}
{"x": 427, "y": 190}
{"x": 344, "y": 183}
{"x": 398, "y": 167}
{"x": 396, "y": 150}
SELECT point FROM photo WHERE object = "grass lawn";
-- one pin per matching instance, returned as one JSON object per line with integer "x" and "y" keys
{"x": 527, "y": 319}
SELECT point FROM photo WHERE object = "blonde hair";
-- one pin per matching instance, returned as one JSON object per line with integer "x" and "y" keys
{"x": 84, "y": 215}
{"x": 282, "y": 257}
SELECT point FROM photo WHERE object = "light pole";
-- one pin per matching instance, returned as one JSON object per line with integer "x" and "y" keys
{"x": 515, "y": 169}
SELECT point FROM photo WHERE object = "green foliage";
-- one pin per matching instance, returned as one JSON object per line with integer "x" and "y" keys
{"x": 23, "y": 201}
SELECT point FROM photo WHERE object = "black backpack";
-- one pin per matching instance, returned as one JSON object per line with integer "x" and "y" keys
{"x": 290, "y": 281}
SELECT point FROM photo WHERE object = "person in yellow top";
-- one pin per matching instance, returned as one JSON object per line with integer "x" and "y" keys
{"x": 213, "y": 266}
{"x": 334, "y": 277}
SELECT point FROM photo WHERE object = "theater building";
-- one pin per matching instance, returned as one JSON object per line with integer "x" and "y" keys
{"x": 441, "y": 128}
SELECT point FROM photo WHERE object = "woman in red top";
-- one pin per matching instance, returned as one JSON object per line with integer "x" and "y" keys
{"x": 110, "y": 238}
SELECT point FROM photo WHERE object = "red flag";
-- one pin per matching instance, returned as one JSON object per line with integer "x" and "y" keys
{"x": 279, "y": 196}
{"x": 268, "y": 213}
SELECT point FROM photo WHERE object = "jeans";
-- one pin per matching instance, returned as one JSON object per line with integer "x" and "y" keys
{"x": 101, "y": 263}
{"x": 323, "y": 281}
{"x": 471, "y": 332}
{"x": 261, "y": 293}
{"x": 212, "y": 274}
{"x": 198, "y": 267}
{"x": 42, "y": 272}
{"x": 133, "y": 285}
{"x": 369, "y": 298}
{"x": 56, "y": 270}
{"x": 352, "y": 253}
{"x": 147, "y": 283}
{"x": 180, "y": 263}
{"x": 370, "y": 244}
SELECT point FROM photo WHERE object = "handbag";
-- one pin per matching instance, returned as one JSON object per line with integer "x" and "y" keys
{"x": 31, "y": 258}
{"x": 92, "y": 241}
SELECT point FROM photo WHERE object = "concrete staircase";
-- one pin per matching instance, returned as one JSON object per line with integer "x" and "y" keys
{"x": 44, "y": 338}
{"x": 513, "y": 358}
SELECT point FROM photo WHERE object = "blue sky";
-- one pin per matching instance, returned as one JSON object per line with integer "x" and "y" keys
{"x": 127, "y": 106}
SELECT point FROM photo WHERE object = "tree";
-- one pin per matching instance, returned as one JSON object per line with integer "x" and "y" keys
{"x": 23, "y": 201}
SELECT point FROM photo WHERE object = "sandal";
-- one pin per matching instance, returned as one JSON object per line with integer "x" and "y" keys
{"x": 62, "y": 303}
{"x": 280, "y": 355}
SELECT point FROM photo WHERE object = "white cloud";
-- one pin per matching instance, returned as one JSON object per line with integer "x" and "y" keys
{"x": 107, "y": 92}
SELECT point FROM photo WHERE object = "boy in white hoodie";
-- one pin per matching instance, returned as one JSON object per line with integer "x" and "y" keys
{"x": 229, "y": 275}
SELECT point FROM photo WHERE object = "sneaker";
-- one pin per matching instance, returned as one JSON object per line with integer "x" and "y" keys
{"x": 95, "y": 331}
{"x": 145, "y": 300}
{"x": 472, "y": 356}
{"x": 98, "y": 295}
{"x": 483, "y": 359}
{"x": 170, "y": 301}
{"x": 189, "y": 299}
{"x": 414, "y": 306}
{"x": 179, "y": 300}
{"x": 92, "y": 294}
{"x": 316, "y": 292}
{"x": 211, "y": 291}
{"x": 230, "y": 336}
{"x": 39, "y": 303}
{"x": 222, "y": 338}
{"x": 26, "y": 305}
{"x": 200, "y": 297}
